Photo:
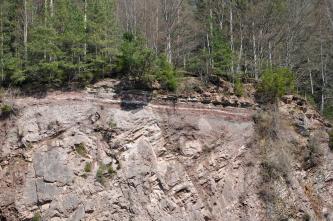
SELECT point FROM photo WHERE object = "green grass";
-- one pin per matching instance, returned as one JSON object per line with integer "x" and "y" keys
{"x": 6, "y": 110}
{"x": 81, "y": 149}
{"x": 100, "y": 175}
{"x": 37, "y": 217}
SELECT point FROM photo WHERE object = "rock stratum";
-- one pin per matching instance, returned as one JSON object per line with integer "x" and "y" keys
{"x": 98, "y": 155}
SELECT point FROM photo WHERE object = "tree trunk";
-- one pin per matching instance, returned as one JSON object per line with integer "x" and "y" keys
{"x": 311, "y": 80}
{"x": 51, "y": 8}
{"x": 260, "y": 50}
{"x": 231, "y": 40}
{"x": 254, "y": 53}
{"x": 211, "y": 21}
{"x": 2, "y": 49}
{"x": 209, "y": 50}
{"x": 25, "y": 34}
{"x": 210, "y": 37}
{"x": 127, "y": 16}
{"x": 45, "y": 22}
{"x": 322, "y": 105}
{"x": 221, "y": 19}
{"x": 270, "y": 55}
{"x": 168, "y": 49}
{"x": 178, "y": 36}
{"x": 240, "y": 49}
{"x": 85, "y": 28}
{"x": 168, "y": 28}
{"x": 329, "y": 8}
{"x": 157, "y": 29}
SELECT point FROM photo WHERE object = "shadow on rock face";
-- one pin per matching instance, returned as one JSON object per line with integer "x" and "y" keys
{"x": 134, "y": 100}
{"x": 132, "y": 106}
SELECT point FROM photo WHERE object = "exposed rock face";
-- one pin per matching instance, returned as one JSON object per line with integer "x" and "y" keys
{"x": 79, "y": 156}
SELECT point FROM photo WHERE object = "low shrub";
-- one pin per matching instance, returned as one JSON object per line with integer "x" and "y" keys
{"x": 100, "y": 174}
{"x": 103, "y": 171}
{"x": 87, "y": 167}
{"x": 266, "y": 124}
{"x": 311, "y": 154}
{"x": 239, "y": 88}
{"x": 274, "y": 167}
{"x": 112, "y": 123}
{"x": 6, "y": 110}
{"x": 111, "y": 170}
{"x": 269, "y": 171}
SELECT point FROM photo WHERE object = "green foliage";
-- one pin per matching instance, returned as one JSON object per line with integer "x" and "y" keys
{"x": 239, "y": 87}
{"x": 136, "y": 62}
{"x": 112, "y": 123}
{"x": 78, "y": 44}
{"x": 60, "y": 51}
{"x": 328, "y": 112}
{"x": 100, "y": 174}
{"x": 142, "y": 66}
{"x": 167, "y": 75}
{"x": 87, "y": 167}
{"x": 103, "y": 171}
{"x": 221, "y": 53}
{"x": 276, "y": 83}
{"x": 331, "y": 139}
{"x": 278, "y": 7}
{"x": 37, "y": 217}
{"x": 196, "y": 63}
{"x": 63, "y": 50}
{"x": 6, "y": 110}
{"x": 215, "y": 60}
{"x": 110, "y": 170}
{"x": 81, "y": 149}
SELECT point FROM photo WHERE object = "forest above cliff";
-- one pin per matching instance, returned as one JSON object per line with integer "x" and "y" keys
{"x": 68, "y": 44}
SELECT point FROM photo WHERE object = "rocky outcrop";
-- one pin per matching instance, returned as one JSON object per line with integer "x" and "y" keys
{"x": 96, "y": 156}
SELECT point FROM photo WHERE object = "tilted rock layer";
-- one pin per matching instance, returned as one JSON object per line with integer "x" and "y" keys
{"x": 88, "y": 156}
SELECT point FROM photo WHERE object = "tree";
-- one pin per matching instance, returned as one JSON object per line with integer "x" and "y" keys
{"x": 276, "y": 83}
{"x": 135, "y": 61}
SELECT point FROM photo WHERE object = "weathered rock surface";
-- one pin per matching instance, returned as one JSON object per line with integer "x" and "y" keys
{"x": 86, "y": 156}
